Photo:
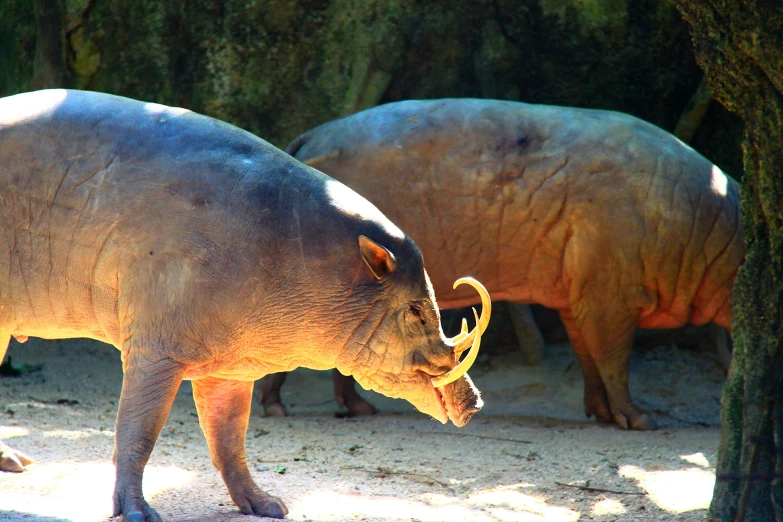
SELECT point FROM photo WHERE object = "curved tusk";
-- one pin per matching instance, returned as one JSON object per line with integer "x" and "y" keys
{"x": 463, "y": 340}
{"x": 462, "y": 368}
{"x": 461, "y": 336}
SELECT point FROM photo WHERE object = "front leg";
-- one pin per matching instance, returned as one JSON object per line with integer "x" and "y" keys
{"x": 223, "y": 412}
{"x": 148, "y": 390}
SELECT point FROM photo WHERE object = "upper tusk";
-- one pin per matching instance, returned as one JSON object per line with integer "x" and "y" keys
{"x": 486, "y": 303}
{"x": 461, "y": 336}
{"x": 462, "y": 368}
{"x": 463, "y": 340}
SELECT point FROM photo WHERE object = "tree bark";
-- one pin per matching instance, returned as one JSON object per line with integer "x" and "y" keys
{"x": 49, "y": 67}
{"x": 740, "y": 47}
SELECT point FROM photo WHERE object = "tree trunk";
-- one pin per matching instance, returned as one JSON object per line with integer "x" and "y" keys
{"x": 740, "y": 47}
{"x": 49, "y": 68}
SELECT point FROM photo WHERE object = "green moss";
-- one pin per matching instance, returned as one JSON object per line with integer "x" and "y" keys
{"x": 594, "y": 18}
{"x": 85, "y": 58}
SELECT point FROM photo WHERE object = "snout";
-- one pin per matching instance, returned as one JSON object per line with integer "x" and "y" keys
{"x": 455, "y": 402}
{"x": 461, "y": 399}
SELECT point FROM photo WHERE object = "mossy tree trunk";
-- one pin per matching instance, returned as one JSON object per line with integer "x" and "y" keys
{"x": 740, "y": 47}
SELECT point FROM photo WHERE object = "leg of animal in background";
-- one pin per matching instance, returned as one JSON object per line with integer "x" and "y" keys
{"x": 722, "y": 339}
{"x": 607, "y": 343}
{"x": 223, "y": 412}
{"x": 529, "y": 337}
{"x": 549, "y": 324}
{"x": 347, "y": 396}
{"x": 148, "y": 391}
{"x": 269, "y": 387}
{"x": 595, "y": 398}
{"x": 5, "y": 340}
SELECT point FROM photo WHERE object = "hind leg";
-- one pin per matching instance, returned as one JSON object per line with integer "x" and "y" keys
{"x": 722, "y": 339}
{"x": 602, "y": 343}
{"x": 596, "y": 399}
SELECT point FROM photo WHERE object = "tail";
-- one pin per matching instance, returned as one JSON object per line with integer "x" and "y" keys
{"x": 295, "y": 146}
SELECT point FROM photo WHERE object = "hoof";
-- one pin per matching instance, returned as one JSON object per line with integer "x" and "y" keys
{"x": 272, "y": 509}
{"x": 601, "y": 412}
{"x": 264, "y": 506}
{"x": 12, "y": 460}
{"x": 362, "y": 408}
{"x": 138, "y": 516}
{"x": 275, "y": 409}
{"x": 641, "y": 422}
{"x": 11, "y": 464}
{"x": 137, "y": 511}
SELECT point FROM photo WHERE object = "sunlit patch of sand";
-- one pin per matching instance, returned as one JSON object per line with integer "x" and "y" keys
{"x": 675, "y": 491}
{"x": 504, "y": 503}
{"x": 77, "y": 491}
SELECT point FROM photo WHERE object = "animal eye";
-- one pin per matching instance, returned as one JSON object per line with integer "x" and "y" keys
{"x": 416, "y": 311}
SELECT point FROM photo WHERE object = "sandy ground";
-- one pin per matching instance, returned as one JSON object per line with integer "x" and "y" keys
{"x": 529, "y": 455}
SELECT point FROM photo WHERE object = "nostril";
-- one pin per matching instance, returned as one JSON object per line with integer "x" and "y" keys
{"x": 433, "y": 371}
{"x": 419, "y": 361}
{"x": 422, "y": 364}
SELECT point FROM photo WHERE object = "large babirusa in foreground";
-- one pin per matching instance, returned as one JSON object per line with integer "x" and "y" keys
{"x": 202, "y": 252}
{"x": 607, "y": 219}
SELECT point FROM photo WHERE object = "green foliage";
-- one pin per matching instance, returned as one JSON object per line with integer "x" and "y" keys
{"x": 17, "y": 45}
{"x": 280, "y": 67}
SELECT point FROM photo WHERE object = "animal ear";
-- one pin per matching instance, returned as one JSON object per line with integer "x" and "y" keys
{"x": 380, "y": 261}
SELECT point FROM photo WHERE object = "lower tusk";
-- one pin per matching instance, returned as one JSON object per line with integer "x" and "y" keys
{"x": 462, "y": 368}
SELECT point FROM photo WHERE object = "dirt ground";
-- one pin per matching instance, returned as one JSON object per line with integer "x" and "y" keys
{"x": 528, "y": 455}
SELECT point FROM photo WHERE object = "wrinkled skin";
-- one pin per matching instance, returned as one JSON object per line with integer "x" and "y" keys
{"x": 201, "y": 252}
{"x": 607, "y": 219}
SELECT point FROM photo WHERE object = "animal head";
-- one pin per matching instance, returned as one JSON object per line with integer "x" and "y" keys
{"x": 400, "y": 350}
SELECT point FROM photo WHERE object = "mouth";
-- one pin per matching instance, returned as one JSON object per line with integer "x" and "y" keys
{"x": 456, "y": 411}
{"x": 444, "y": 409}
